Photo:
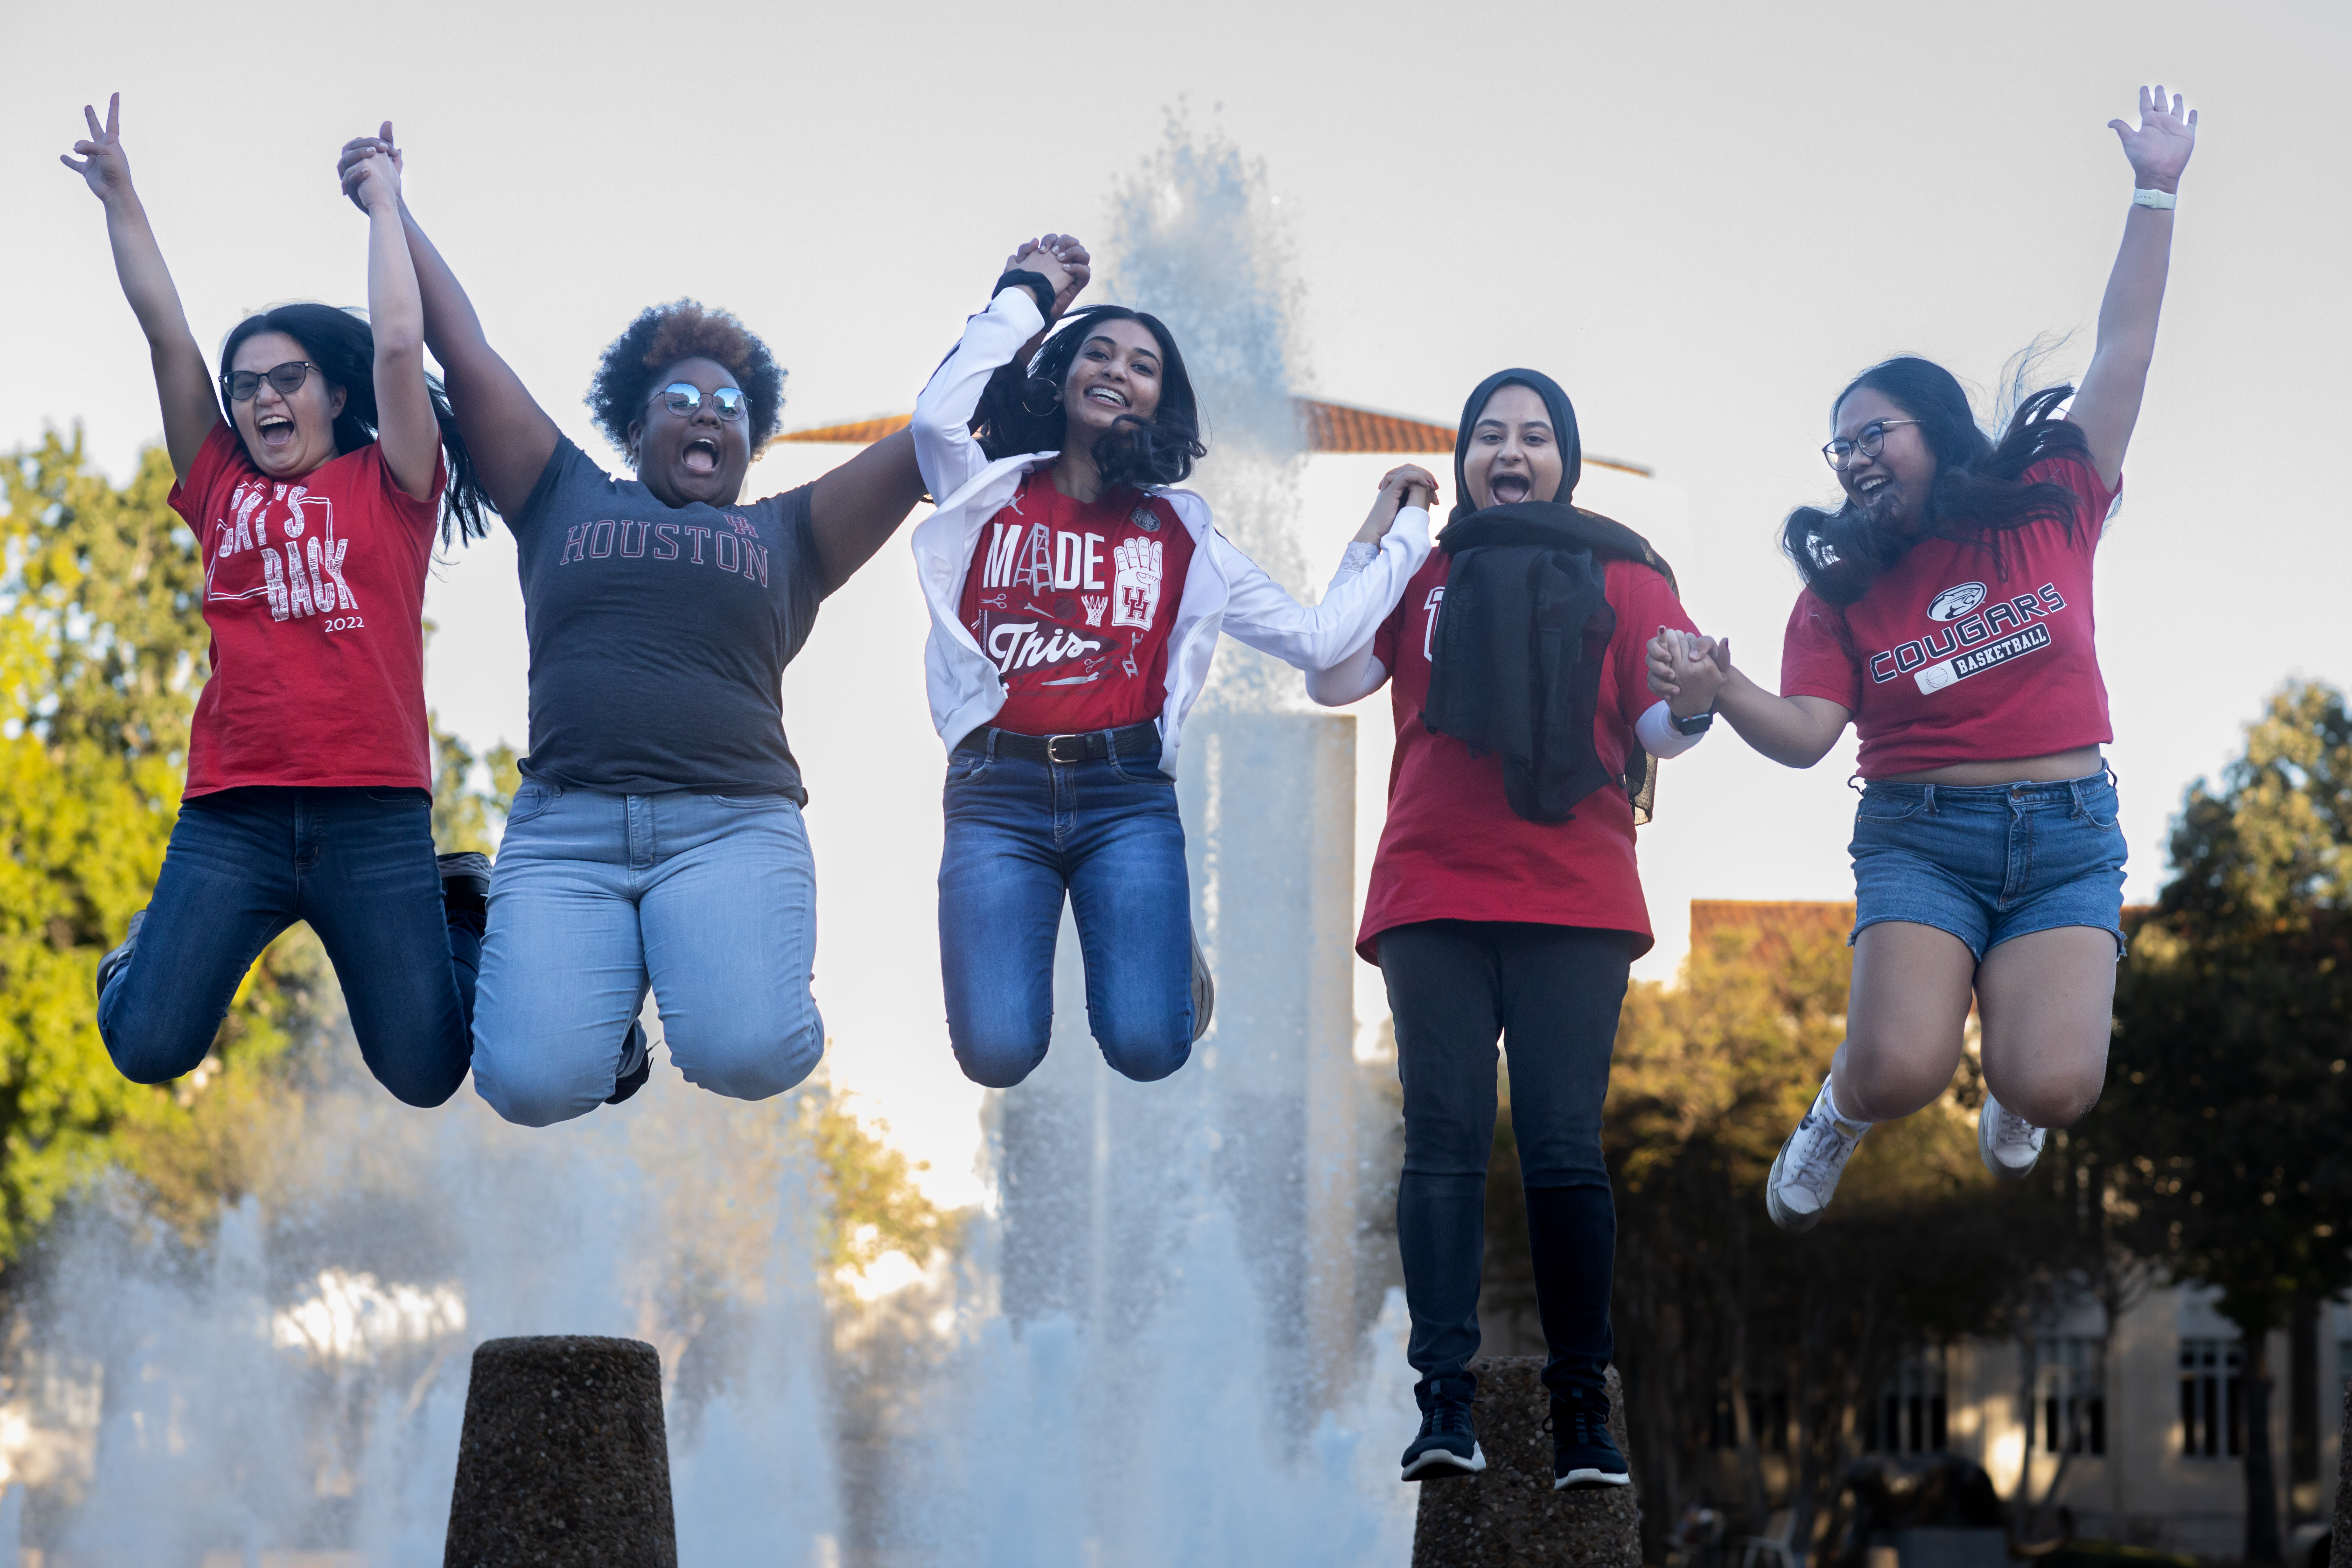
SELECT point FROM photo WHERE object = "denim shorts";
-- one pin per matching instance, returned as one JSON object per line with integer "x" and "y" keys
{"x": 1990, "y": 862}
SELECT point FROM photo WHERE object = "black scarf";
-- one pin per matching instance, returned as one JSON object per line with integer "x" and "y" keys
{"x": 1515, "y": 658}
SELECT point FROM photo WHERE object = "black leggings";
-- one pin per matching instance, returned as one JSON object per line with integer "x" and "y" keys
{"x": 1553, "y": 994}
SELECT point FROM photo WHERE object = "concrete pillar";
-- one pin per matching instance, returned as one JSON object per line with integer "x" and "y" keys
{"x": 1508, "y": 1516}
{"x": 565, "y": 1462}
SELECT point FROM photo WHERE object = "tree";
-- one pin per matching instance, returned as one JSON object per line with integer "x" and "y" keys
{"x": 2227, "y": 1093}
{"x": 102, "y": 655}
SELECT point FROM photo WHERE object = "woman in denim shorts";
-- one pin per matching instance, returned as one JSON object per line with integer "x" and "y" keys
{"x": 1946, "y": 615}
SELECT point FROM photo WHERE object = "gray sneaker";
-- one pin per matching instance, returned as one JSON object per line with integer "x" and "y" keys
{"x": 112, "y": 964}
{"x": 1204, "y": 989}
{"x": 2007, "y": 1142}
{"x": 1805, "y": 1175}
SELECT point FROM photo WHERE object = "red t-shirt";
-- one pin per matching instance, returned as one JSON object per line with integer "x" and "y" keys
{"x": 314, "y": 593}
{"x": 1074, "y": 601}
{"x": 1960, "y": 654}
{"x": 1452, "y": 848}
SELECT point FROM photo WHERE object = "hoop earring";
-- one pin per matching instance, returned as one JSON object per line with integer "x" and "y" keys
{"x": 1029, "y": 398}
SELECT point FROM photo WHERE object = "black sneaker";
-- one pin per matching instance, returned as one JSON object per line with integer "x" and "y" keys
{"x": 464, "y": 876}
{"x": 634, "y": 1078}
{"x": 1581, "y": 1452}
{"x": 1204, "y": 989}
{"x": 113, "y": 962}
{"x": 1447, "y": 1448}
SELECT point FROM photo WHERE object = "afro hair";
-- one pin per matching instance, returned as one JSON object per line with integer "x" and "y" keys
{"x": 660, "y": 337}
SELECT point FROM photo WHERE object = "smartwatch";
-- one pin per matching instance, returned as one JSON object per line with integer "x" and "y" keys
{"x": 1697, "y": 724}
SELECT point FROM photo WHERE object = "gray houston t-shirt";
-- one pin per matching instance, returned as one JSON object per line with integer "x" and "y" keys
{"x": 659, "y": 634}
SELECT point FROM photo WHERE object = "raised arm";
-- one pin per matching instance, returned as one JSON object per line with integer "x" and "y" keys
{"x": 1260, "y": 614}
{"x": 999, "y": 335}
{"x": 510, "y": 436}
{"x": 1361, "y": 673}
{"x": 2107, "y": 406}
{"x": 1694, "y": 674}
{"x": 406, "y": 432}
{"x": 182, "y": 384}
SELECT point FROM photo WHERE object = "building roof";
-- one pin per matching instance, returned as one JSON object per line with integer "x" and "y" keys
{"x": 1330, "y": 428}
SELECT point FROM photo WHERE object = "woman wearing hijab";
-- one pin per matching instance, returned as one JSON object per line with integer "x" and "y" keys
{"x": 1505, "y": 900}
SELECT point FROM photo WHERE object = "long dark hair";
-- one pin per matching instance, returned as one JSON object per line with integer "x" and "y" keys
{"x": 1133, "y": 452}
{"x": 1979, "y": 494}
{"x": 343, "y": 348}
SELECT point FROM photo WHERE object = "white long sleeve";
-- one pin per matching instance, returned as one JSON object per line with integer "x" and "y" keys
{"x": 1318, "y": 636}
{"x": 1655, "y": 730}
{"x": 949, "y": 458}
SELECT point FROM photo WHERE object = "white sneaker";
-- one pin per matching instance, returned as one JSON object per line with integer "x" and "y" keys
{"x": 1805, "y": 1175}
{"x": 2008, "y": 1143}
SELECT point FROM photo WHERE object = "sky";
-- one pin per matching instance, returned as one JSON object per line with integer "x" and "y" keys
{"x": 1702, "y": 219}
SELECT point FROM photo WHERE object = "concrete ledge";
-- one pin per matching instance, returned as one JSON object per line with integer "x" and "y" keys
{"x": 1508, "y": 1516}
{"x": 565, "y": 1462}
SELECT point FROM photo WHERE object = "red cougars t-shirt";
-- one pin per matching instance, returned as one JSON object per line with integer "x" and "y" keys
{"x": 1962, "y": 653}
{"x": 314, "y": 592}
{"x": 1452, "y": 848}
{"x": 1074, "y": 601}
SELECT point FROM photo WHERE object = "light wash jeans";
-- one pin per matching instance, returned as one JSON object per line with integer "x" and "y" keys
{"x": 709, "y": 898}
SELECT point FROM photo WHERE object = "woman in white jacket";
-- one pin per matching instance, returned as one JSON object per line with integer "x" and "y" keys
{"x": 1075, "y": 600}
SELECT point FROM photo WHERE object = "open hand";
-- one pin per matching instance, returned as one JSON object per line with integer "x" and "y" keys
{"x": 351, "y": 166}
{"x": 2159, "y": 148}
{"x": 102, "y": 163}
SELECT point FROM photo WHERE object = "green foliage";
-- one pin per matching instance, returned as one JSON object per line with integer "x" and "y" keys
{"x": 102, "y": 655}
{"x": 463, "y": 812}
{"x": 876, "y": 1205}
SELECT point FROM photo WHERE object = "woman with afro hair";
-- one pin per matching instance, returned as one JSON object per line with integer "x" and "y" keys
{"x": 1077, "y": 598}
{"x": 657, "y": 838}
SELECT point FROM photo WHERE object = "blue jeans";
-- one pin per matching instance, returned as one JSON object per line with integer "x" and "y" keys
{"x": 1020, "y": 835}
{"x": 711, "y": 900}
{"x": 357, "y": 864}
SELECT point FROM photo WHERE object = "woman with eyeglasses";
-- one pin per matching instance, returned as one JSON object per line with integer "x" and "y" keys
{"x": 1077, "y": 598}
{"x": 1946, "y": 615}
{"x": 309, "y": 792}
{"x": 656, "y": 839}
{"x": 1505, "y": 900}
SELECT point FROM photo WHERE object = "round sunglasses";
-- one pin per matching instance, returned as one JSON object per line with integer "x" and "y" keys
{"x": 287, "y": 378}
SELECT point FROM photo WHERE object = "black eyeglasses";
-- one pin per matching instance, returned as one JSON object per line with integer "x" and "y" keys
{"x": 685, "y": 397}
{"x": 1870, "y": 440}
{"x": 287, "y": 378}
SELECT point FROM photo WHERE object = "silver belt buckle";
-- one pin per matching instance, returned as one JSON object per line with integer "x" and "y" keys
{"x": 1053, "y": 749}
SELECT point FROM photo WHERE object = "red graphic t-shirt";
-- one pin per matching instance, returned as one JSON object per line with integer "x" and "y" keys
{"x": 314, "y": 592}
{"x": 1452, "y": 848}
{"x": 1074, "y": 601}
{"x": 1963, "y": 652}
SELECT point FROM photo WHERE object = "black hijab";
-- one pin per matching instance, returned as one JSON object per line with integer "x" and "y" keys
{"x": 1515, "y": 659}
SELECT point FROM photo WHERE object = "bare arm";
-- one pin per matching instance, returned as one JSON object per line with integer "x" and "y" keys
{"x": 406, "y": 432}
{"x": 182, "y": 384}
{"x": 510, "y": 436}
{"x": 1695, "y": 674}
{"x": 860, "y": 504}
{"x": 2107, "y": 406}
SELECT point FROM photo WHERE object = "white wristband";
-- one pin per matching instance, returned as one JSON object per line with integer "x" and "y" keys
{"x": 2163, "y": 201}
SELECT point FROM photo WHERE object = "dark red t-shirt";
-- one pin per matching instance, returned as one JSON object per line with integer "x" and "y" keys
{"x": 1074, "y": 601}
{"x": 314, "y": 593}
{"x": 1963, "y": 652}
{"x": 1452, "y": 848}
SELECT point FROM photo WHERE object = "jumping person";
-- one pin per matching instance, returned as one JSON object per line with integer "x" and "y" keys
{"x": 656, "y": 839}
{"x": 1504, "y": 899}
{"x": 309, "y": 792}
{"x": 1075, "y": 600}
{"x": 1946, "y": 615}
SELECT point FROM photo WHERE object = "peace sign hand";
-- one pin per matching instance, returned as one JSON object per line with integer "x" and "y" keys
{"x": 351, "y": 166}
{"x": 102, "y": 163}
{"x": 2159, "y": 148}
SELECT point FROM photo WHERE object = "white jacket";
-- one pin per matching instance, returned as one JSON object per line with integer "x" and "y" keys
{"x": 1223, "y": 589}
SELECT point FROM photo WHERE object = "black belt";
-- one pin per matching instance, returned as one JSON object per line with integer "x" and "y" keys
{"x": 1093, "y": 746}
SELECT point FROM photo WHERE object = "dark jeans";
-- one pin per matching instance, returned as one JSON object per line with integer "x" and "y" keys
{"x": 357, "y": 864}
{"x": 1552, "y": 992}
{"x": 1020, "y": 835}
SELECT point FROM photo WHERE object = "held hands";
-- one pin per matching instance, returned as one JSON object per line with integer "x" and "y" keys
{"x": 1412, "y": 485}
{"x": 370, "y": 167}
{"x": 2159, "y": 149}
{"x": 1687, "y": 670}
{"x": 102, "y": 164}
{"x": 1058, "y": 259}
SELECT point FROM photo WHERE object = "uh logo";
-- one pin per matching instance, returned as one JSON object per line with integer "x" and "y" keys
{"x": 299, "y": 560}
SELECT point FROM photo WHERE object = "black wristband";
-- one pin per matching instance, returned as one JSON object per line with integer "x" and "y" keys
{"x": 1022, "y": 277}
{"x": 1697, "y": 724}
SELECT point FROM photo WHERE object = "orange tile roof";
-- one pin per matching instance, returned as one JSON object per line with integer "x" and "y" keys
{"x": 1330, "y": 428}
